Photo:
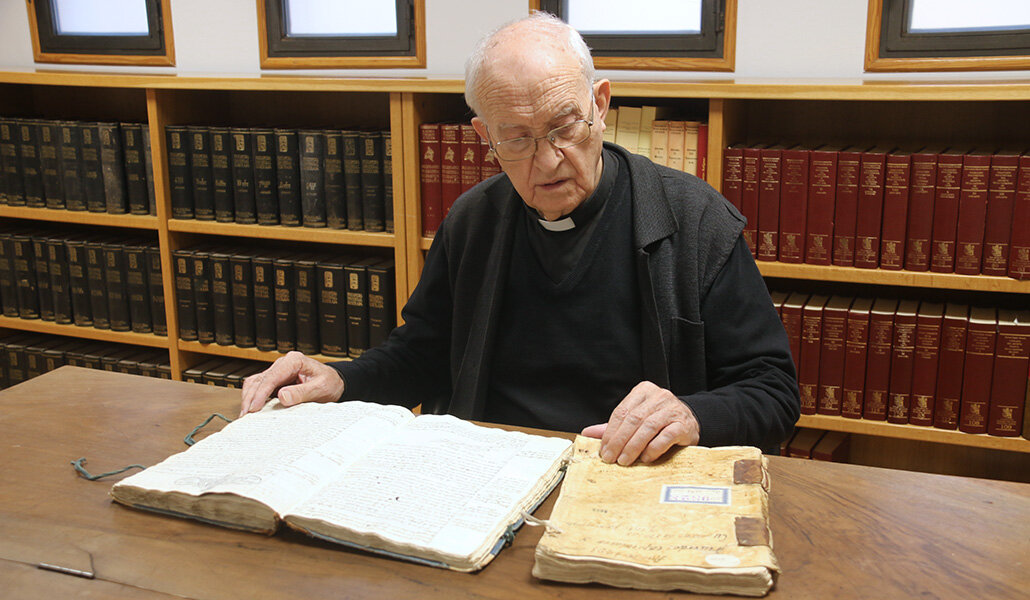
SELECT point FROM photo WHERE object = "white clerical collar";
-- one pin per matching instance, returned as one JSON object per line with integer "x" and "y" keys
{"x": 560, "y": 225}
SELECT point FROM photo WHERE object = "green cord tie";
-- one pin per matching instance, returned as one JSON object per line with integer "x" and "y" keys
{"x": 86, "y": 474}
{"x": 189, "y": 438}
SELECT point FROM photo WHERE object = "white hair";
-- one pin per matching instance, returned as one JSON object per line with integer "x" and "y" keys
{"x": 541, "y": 21}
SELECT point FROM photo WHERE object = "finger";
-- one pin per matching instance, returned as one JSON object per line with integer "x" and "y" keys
{"x": 645, "y": 432}
{"x": 674, "y": 434}
{"x": 257, "y": 389}
{"x": 594, "y": 431}
{"x": 622, "y": 424}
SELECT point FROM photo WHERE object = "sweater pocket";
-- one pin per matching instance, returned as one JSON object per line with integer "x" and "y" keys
{"x": 687, "y": 371}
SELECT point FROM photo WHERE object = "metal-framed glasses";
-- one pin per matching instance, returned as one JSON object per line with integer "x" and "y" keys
{"x": 566, "y": 136}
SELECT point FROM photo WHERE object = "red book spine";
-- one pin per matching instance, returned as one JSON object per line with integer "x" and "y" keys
{"x": 770, "y": 177}
{"x": 450, "y": 164}
{"x": 895, "y": 211}
{"x": 1011, "y": 361}
{"x": 791, "y": 317}
{"x": 855, "y": 358}
{"x": 702, "y": 151}
{"x": 976, "y": 376}
{"x": 733, "y": 174}
{"x": 470, "y": 159}
{"x": 793, "y": 201}
{"x": 924, "y": 363}
{"x": 1000, "y": 196}
{"x": 951, "y": 366}
{"x": 489, "y": 166}
{"x": 945, "y": 211}
{"x": 845, "y": 210}
{"x": 429, "y": 160}
{"x": 811, "y": 342}
{"x": 922, "y": 185}
{"x": 870, "y": 208}
{"x": 878, "y": 359}
{"x": 1019, "y": 240}
{"x": 822, "y": 185}
{"x": 831, "y": 355}
{"x": 972, "y": 213}
{"x": 902, "y": 354}
{"x": 749, "y": 197}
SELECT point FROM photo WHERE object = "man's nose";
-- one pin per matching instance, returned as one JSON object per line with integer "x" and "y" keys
{"x": 547, "y": 156}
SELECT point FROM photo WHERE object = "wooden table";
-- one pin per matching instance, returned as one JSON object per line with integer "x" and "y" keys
{"x": 840, "y": 531}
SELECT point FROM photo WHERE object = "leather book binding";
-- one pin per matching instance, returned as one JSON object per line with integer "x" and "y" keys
{"x": 137, "y": 286}
{"x": 306, "y": 304}
{"x": 155, "y": 285}
{"x": 287, "y": 175}
{"x": 450, "y": 164}
{"x": 922, "y": 187}
{"x": 972, "y": 212}
{"x": 180, "y": 181}
{"x": 430, "y": 173}
{"x": 335, "y": 194}
{"x": 952, "y": 360}
{"x": 811, "y": 343}
{"x": 732, "y": 170}
{"x": 822, "y": 188}
{"x": 382, "y": 317}
{"x": 903, "y": 346}
{"x": 332, "y": 310}
{"x": 203, "y": 301}
{"x": 790, "y": 315}
{"x": 241, "y": 277}
{"x": 470, "y": 158}
{"x": 845, "y": 211}
{"x": 222, "y": 179}
{"x": 1019, "y": 249}
{"x": 749, "y": 195}
{"x": 351, "y": 140}
{"x": 265, "y": 184}
{"x": 200, "y": 173}
{"x": 221, "y": 297}
{"x": 373, "y": 203}
{"x": 48, "y": 134}
{"x": 878, "y": 359}
{"x": 976, "y": 377}
{"x": 264, "y": 302}
{"x": 869, "y": 215}
{"x": 135, "y": 168}
{"x": 793, "y": 204}
{"x": 1001, "y": 193}
{"x": 312, "y": 178}
{"x": 929, "y": 322}
{"x": 895, "y": 210}
{"x": 770, "y": 173}
{"x": 1009, "y": 384}
{"x": 93, "y": 175}
{"x": 945, "y": 210}
{"x": 855, "y": 348}
{"x": 832, "y": 354}
{"x": 285, "y": 306}
{"x": 187, "y": 316}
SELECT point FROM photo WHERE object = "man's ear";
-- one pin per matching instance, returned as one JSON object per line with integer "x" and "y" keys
{"x": 602, "y": 100}
{"x": 480, "y": 126}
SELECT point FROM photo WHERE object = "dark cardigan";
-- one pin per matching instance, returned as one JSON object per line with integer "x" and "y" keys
{"x": 710, "y": 333}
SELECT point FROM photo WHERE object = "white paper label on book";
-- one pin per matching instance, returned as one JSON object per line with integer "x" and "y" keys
{"x": 722, "y": 560}
{"x": 696, "y": 494}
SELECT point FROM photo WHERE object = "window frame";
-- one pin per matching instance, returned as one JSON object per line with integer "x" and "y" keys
{"x": 714, "y": 49}
{"x": 155, "y": 49}
{"x": 405, "y": 50}
{"x": 890, "y": 49}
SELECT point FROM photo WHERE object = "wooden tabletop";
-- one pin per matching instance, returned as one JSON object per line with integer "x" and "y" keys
{"x": 840, "y": 531}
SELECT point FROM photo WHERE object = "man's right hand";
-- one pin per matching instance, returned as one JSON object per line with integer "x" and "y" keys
{"x": 297, "y": 378}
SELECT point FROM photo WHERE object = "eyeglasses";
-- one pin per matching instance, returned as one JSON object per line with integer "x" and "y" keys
{"x": 565, "y": 136}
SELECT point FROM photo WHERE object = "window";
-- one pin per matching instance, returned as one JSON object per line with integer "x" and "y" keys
{"x": 117, "y": 32}
{"x": 342, "y": 33}
{"x": 947, "y": 35}
{"x": 653, "y": 34}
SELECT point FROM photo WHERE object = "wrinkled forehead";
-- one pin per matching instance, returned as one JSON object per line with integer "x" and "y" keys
{"x": 528, "y": 89}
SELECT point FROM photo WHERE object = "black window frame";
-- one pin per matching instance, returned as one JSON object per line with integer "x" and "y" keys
{"x": 52, "y": 43}
{"x": 896, "y": 41}
{"x": 281, "y": 45}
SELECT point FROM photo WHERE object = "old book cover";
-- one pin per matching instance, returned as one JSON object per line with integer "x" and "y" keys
{"x": 356, "y": 273}
{"x": 972, "y": 212}
{"x": 112, "y": 166}
{"x": 335, "y": 194}
{"x": 8, "y": 282}
{"x": 450, "y": 165}
{"x": 919, "y": 228}
{"x": 235, "y": 378}
{"x": 23, "y": 267}
{"x": 627, "y": 131}
{"x": 749, "y": 195}
{"x": 135, "y": 168}
{"x": 793, "y": 204}
{"x": 471, "y": 158}
{"x": 305, "y": 303}
{"x": 676, "y": 145}
{"x": 200, "y": 172}
{"x": 222, "y": 180}
{"x": 312, "y": 178}
{"x": 869, "y": 216}
{"x": 855, "y": 349}
{"x": 845, "y": 210}
{"x": 388, "y": 180}
{"x": 358, "y": 481}
{"x": 697, "y": 520}
{"x": 811, "y": 344}
{"x": 945, "y": 209}
{"x": 82, "y": 308}
{"x": 352, "y": 179}
{"x": 702, "y": 150}
{"x": 822, "y": 186}
{"x": 263, "y": 283}
{"x": 28, "y": 152}
{"x": 878, "y": 359}
{"x": 951, "y": 366}
{"x": 266, "y": 185}
{"x": 646, "y": 138}
{"x": 148, "y": 168}
{"x": 117, "y": 289}
{"x": 287, "y": 176}
{"x": 832, "y": 355}
{"x": 1019, "y": 249}
{"x": 15, "y": 188}
{"x": 1011, "y": 361}
{"x": 732, "y": 170}
{"x": 92, "y": 175}
{"x": 929, "y": 321}
{"x": 660, "y": 146}
{"x": 187, "y": 316}
{"x": 903, "y": 346}
{"x": 790, "y": 315}
{"x": 221, "y": 296}
{"x": 382, "y": 317}
{"x": 137, "y": 286}
{"x": 243, "y": 178}
{"x": 285, "y": 306}
{"x": 97, "y": 282}
{"x": 896, "y": 188}
{"x": 180, "y": 180}
{"x": 60, "y": 284}
{"x": 242, "y": 294}
{"x": 981, "y": 339}
{"x": 770, "y": 174}
{"x": 41, "y": 264}
{"x": 429, "y": 180}
{"x": 203, "y": 302}
{"x": 1001, "y": 192}
{"x": 155, "y": 284}
{"x": 373, "y": 199}
{"x": 691, "y": 146}
{"x": 332, "y": 309}
{"x": 48, "y": 134}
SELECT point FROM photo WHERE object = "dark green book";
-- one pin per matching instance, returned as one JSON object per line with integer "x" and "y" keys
{"x": 41, "y": 263}
{"x": 266, "y": 190}
{"x": 137, "y": 286}
{"x": 352, "y": 179}
{"x": 14, "y": 188}
{"x": 312, "y": 178}
{"x": 135, "y": 168}
{"x": 222, "y": 174}
{"x": 235, "y": 378}
{"x": 16, "y": 359}
{"x": 332, "y": 308}
{"x": 148, "y": 166}
{"x": 117, "y": 289}
{"x": 60, "y": 283}
{"x": 155, "y": 284}
{"x": 200, "y": 173}
{"x": 85, "y": 355}
{"x": 305, "y": 302}
{"x": 48, "y": 133}
{"x": 34, "y": 364}
{"x": 221, "y": 297}
{"x": 78, "y": 281}
{"x": 97, "y": 283}
{"x": 335, "y": 196}
{"x": 242, "y": 300}
{"x": 287, "y": 173}
{"x": 23, "y": 262}
{"x": 373, "y": 204}
{"x": 112, "y": 165}
{"x": 285, "y": 307}
{"x": 195, "y": 374}
{"x": 55, "y": 354}
{"x": 28, "y": 149}
{"x": 216, "y": 375}
{"x": 180, "y": 180}
{"x": 244, "y": 208}
{"x": 203, "y": 305}
{"x": 382, "y": 314}
{"x": 70, "y": 165}
{"x": 92, "y": 174}
{"x": 187, "y": 316}
{"x": 264, "y": 301}
{"x": 357, "y": 306}
{"x": 8, "y": 282}
{"x": 109, "y": 361}
{"x": 148, "y": 363}
{"x": 388, "y": 179}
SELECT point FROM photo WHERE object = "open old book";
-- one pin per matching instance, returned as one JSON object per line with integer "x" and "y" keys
{"x": 696, "y": 520}
{"x": 433, "y": 489}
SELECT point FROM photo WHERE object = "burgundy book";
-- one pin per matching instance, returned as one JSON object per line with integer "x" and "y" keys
{"x": 921, "y": 189}
{"x": 924, "y": 364}
{"x": 870, "y": 207}
{"x": 749, "y": 196}
{"x": 702, "y": 151}
{"x": 429, "y": 161}
{"x": 793, "y": 204}
{"x": 778, "y": 298}
{"x": 1001, "y": 192}
{"x": 733, "y": 174}
{"x": 895, "y": 210}
{"x": 951, "y": 364}
{"x": 790, "y": 315}
{"x": 972, "y": 212}
{"x": 976, "y": 374}
{"x": 803, "y": 442}
{"x": 811, "y": 343}
{"x": 450, "y": 165}
{"x": 822, "y": 187}
{"x": 489, "y": 166}
{"x": 903, "y": 348}
{"x": 845, "y": 210}
{"x": 1019, "y": 237}
{"x": 770, "y": 175}
{"x": 945, "y": 210}
{"x": 878, "y": 359}
{"x": 834, "y": 447}
{"x": 470, "y": 158}
{"x": 855, "y": 357}
{"x": 831, "y": 355}
{"x": 1011, "y": 362}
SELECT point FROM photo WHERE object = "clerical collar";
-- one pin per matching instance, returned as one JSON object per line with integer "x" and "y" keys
{"x": 589, "y": 208}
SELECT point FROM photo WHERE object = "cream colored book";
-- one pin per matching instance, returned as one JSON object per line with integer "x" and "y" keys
{"x": 697, "y": 520}
{"x": 690, "y": 140}
{"x": 432, "y": 489}
{"x": 611, "y": 124}
{"x": 675, "y": 144}
{"x": 660, "y": 142}
{"x": 648, "y": 115}
{"x": 627, "y": 134}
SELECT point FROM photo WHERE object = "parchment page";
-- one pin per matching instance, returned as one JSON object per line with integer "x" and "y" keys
{"x": 278, "y": 455}
{"x": 439, "y": 483}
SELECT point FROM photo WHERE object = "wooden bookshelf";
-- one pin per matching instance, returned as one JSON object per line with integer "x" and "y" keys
{"x": 914, "y": 432}
{"x": 247, "y": 353}
{"x": 87, "y": 333}
{"x": 79, "y": 217}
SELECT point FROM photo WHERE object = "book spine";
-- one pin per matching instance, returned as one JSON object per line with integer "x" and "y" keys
{"x": 749, "y": 196}
{"x": 200, "y": 173}
{"x": 24, "y": 269}
{"x": 222, "y": 179}
{"x": 200, "y": 273}
{"x": 221, "y": 299}
{"x": 732, "y": 168}
{"x": 945, "y": 212}
{"x": 117, "y": 291}
{"x": 335, "y": 195}
{"x": 11, "y": 176}
{"x": 676, "y": 145}
{"x": 285, "y": 308}
{"x": 306, "y": 306}
{"x": 899, "y": 398}
{"x": 870, "y": 209}
{"x": 287, "y": 172}
{"x": 78, "y": 282}
{"x": 42, "y": 268}
{"x": 470, "y": 158}
{"x": 263, "y": 288}
{"x": 242, "y": 300}
{"x": 60, "y": 285}
{"x": 770, "y": 174}
{"x": 450, "y": 165}
{"x": 28, "y": 152}
{"x": 48, "y": 134}
{"x": 878, "y": 363}
{"x": 312, "y": 178}
{"x": 791, "y": 318}
{"x": 922, "y": 186}
{"x": 352, "y": 180}
{"x": 381, "y": 293}
{"x": 855, "y": 360}
{"x": 357, "y": 309}
{"x": 822, "y": 185}
{"x": 112, "y": 165}
{"x": 793, "y": 203}
{"x": 1009, "y": 385}
{"x": 97, "y": 284}
{"x": 180, "y": 180}
{"x": 972, "y": 213}
{"x": 831, "y": 358}
{"x": 184, "y": 305}
{"x": 137, "y": 288}
{"x": 976, "y": 377}
{"x": 490, "y": 166}
{"x": 148, "y": 168}
{"x": 155, "y": 287}
{"x": 92, "y": 176}
{"x": 373, "y": 203}
{"x": 925, "y": 362}
{"x": 660, "y": 147}
{"x": 1019, "y": 250}
{"x": 430, "y": 174}
{"x": 265, "y": 184}
{"x": 388, "y": 181}
{"x": 1000, "y": 197}
{"x": 8, "y": 282}
{"x": 895, "y": 210}
{"x": 811, "y": 343}
{"x": 702, "y": 151}
{"x": 135, "y": 169}
{"x": 951, "y": 366}
{"x": 845, "y": 211}
{"x": 331, "y": 309}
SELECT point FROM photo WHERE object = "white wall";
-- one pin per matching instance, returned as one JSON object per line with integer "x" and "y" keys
{"x": 775, "y": 39}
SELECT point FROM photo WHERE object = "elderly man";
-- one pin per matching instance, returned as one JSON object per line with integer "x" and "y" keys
{"x": 585, "y": 287}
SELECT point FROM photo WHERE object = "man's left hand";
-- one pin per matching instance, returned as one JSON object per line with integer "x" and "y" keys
{"x": 647, "y": 422}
